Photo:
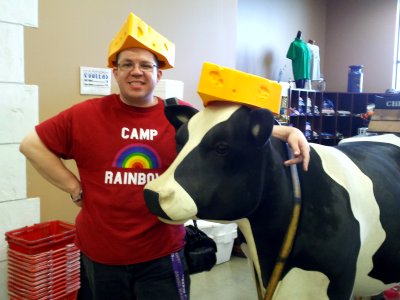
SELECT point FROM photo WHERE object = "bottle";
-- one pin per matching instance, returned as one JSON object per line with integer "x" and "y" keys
{"x": 355, "y": 79}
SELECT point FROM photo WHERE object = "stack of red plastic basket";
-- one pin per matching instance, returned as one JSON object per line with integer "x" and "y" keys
{"x": 43, "y": 262}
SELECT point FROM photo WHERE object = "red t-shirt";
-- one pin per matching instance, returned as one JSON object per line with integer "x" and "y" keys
{"x": 118, "y": 149}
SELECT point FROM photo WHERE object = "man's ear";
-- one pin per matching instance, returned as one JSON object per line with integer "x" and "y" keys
{"x": 115, "y": 72}
{"x": 178, "y": 115}
{"x": 159, "y": 74}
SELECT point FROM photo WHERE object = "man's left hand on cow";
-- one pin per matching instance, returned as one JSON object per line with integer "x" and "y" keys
{"x": 297, "y": 142}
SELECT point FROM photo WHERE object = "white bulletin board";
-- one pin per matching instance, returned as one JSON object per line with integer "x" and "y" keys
{"x": 95, "y": 81}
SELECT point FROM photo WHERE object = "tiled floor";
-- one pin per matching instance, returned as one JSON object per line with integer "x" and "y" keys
{"x": 231, "y": 280}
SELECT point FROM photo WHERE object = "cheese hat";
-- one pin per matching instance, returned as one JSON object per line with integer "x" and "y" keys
{"x": 224, "y": 84}
{"x": 135, "y": 33}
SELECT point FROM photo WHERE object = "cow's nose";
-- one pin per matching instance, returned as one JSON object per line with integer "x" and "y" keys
{"x": 153, "y": 203}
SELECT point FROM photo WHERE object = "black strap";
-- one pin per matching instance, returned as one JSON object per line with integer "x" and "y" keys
{"x": 171, "y": 101}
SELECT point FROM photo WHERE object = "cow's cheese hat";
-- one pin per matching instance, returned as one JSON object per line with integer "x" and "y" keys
{"x": 135, "y": 33}
{"x": 219, "y": 83}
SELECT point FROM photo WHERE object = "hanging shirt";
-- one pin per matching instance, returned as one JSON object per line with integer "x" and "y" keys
{"x": 314, "y": 62}
{"x": 300, "y": 55}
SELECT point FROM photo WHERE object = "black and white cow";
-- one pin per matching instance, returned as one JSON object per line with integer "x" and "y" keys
{"x": 230, "y": 169}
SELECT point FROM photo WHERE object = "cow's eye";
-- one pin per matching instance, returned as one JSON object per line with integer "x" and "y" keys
{"x": 222, "y": 148}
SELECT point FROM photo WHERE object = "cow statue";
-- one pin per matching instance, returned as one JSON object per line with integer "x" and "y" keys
{"x": 229, "y": 168}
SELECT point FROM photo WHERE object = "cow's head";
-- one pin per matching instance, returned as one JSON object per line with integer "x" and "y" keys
{"x": 218, "y": 172}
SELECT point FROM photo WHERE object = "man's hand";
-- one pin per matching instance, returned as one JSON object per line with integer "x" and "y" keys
{"x": 297, "y": 142}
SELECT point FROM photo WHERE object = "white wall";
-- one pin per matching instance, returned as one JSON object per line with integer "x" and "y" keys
{"x": 267, "y": 27}
{"x": 201, "y": 30}
{"x": 360, "y": 33}
{"x": 18, "y": 114}
{"x": 347, "y": 31}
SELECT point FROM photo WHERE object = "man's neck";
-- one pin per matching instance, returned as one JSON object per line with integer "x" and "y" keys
{"x": 140, "y": 102}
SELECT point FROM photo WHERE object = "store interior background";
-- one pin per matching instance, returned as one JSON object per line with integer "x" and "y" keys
{"x": 250, "y": 35}
{"x": 45, "y": 42}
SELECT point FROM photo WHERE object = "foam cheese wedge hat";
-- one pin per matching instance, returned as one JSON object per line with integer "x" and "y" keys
{"x": 135, "y": 33}
{"x": 219, "y": 83}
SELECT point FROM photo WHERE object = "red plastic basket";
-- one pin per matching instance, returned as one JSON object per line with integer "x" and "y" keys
{"x": 48, "y": 275}
{"x": 60, "y": 294}
{"x": 43, "y": 262}
{"x": 35, "y": 264}
{"x": 69, "y": 249}
{"x": 41, "y": 237}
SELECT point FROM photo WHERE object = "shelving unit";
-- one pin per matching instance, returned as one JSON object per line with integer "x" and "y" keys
{"x": 329, "y": 128}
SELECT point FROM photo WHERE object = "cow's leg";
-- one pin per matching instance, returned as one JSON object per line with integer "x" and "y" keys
{"x": 342, "y": 287}
{"x": 301, "y": 284}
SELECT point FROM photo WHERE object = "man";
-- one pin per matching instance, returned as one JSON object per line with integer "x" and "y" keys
{"x": 119, "y": 143}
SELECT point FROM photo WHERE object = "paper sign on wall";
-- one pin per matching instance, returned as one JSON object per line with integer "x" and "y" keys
{"x": 95, "y": 81}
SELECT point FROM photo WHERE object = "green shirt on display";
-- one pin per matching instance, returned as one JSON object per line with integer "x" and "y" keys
{"x": 300, "y": 55}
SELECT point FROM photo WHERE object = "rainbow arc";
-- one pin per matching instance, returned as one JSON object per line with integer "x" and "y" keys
{"x": 137, "y": 156}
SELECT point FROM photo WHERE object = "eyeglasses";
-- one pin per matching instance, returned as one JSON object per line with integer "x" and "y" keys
{"x": 143, "y": 66}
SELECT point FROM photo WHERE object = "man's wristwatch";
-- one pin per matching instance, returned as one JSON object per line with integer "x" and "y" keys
{"x": 77, "y": 198}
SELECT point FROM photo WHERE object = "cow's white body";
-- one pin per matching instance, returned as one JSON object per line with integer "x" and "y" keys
{"x": 176, "y": 204}
{"x": 363, "y": 205}
{"x": 302, "y": 284}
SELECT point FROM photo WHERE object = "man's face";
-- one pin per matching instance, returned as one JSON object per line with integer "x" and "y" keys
{"x": 137, "y": 74}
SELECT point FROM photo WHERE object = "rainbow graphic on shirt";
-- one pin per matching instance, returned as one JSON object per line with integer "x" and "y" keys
{"x": 137, "y": 156}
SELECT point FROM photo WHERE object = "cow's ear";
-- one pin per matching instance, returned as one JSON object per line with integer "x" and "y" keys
{"x": 261, "y": 124}
{"x": 179, "y": 114}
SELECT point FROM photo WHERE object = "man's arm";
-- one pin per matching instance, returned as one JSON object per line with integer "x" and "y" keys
{"x": 49, "y": 165}
{"x": 297, "y": 141}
